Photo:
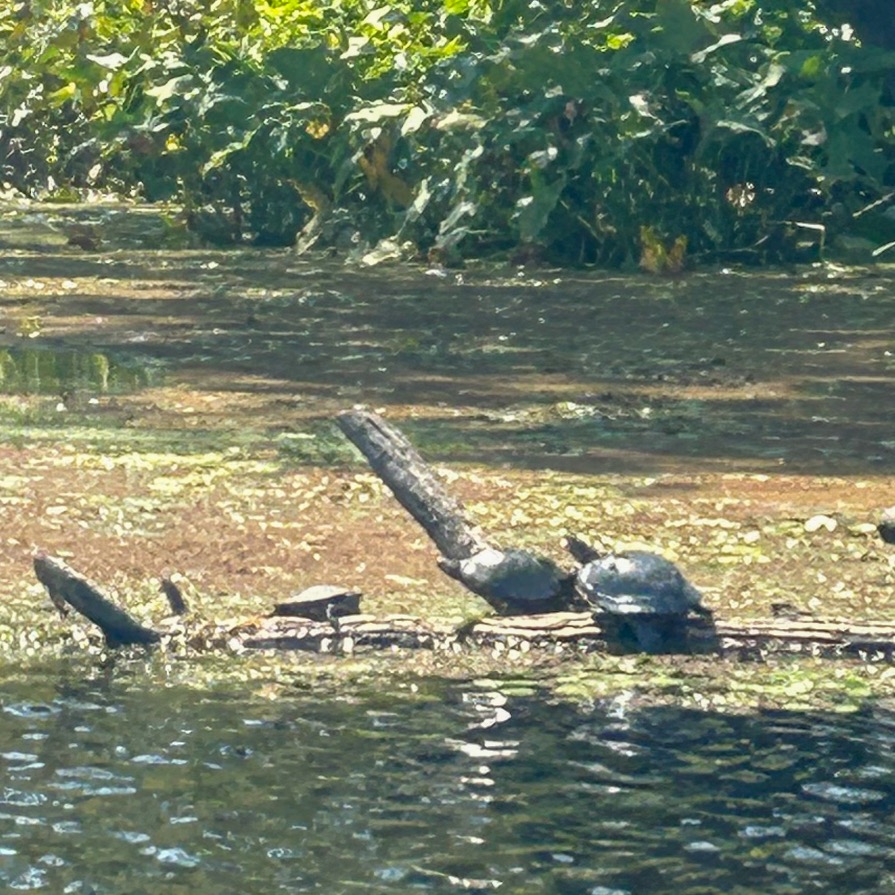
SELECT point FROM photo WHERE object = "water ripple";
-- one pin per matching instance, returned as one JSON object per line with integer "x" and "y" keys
{"x": 844, "y": 795}
{"x": 470, "y": 791}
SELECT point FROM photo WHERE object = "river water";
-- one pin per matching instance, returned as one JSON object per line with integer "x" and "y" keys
{"x": 111, "y": 785}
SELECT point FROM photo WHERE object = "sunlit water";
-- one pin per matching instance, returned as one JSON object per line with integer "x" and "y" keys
{"x": 112, "y": 787}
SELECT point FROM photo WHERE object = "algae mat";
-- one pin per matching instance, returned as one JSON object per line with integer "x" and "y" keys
{"x": 170, "y": 411}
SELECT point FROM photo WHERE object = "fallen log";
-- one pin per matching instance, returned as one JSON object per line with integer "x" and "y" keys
{"x": 823, "y": 638}
{"x": 361, "y": 632}
{"x": 581, "y": 632}
{"x": 352, "y": 632}
{"x": 731, "y": 638}
{"x": 66, "y": 586}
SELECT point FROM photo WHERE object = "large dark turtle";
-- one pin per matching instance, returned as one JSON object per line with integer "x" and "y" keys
{"x": 514, "y": 581}
{"x": 645, "y": 594}
{"x": 322, "y": 602}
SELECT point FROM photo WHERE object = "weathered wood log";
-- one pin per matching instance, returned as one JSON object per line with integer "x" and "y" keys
{"x": 578, "y": 631}
{"x": 512, "y": 581}
{"x": 357, "y": 632}
{"x": 174, "y": 596}
{"x": 66, "y": 586}
{"x": 413, "y": 482}
{"x": 826, "y": 638}
{"x": 581, "y": 632}
{"x": 353, "y": 632}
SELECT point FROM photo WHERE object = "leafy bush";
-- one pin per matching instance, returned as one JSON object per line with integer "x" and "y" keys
{"x": 546, "y": 128}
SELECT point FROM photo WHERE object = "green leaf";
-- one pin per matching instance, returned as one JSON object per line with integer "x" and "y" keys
{"x": 62, "y": 95}
{"x": 532, "y": 212}
{"x": 308, "y": 70}
{"x": 217, "y": 159}
{"x": 850, "y": 148}
{"x": 171, "y": 88}
{"x": 679, "y": 30}
{"x": 415, "y": 119}
{"x": 725, "y": 40}
{"x": 857, "y": 99}
{"x": 358, "y": 46}
{"x": 113, "y": 61}
{"x": 379, "y": 112}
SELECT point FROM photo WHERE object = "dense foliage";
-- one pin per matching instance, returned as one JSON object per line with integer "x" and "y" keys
{"x": 602, "y": 132}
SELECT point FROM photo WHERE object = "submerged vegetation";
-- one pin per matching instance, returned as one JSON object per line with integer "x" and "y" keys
{"x": 657, "y": 131}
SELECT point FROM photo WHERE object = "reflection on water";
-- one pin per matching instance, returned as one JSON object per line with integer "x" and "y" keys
{"x": 50, "y": 371}
{"x": 114, "y": 788}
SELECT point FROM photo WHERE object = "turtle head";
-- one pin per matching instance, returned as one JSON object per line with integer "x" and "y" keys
{"x": 581, "y": 551}
{"x": 451, "y": 567}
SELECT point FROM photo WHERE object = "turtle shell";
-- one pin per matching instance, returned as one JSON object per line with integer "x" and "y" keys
{"x": 513, "y": 580}
{"x": 886, "y": 527}
{"x": 638, "y": 583}
{"x": 321, "y": 602}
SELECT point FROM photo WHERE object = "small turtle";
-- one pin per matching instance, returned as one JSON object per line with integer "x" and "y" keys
{"x": 514, "y": 581}
{"x": 322, "y": 602}
{"x": 646, "y": 593}
{"x": 886, "y": 527}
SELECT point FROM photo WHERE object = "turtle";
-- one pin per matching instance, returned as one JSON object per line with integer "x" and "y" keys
{"x": 321, "y": 602}
{"x": 645, "y": 594}
{"x": 886, "y": 527}
{"x": 513, "y": 581}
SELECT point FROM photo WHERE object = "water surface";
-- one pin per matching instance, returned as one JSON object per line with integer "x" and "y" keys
{"x": 111, "y": 786}
{"x": 43, "y": 371}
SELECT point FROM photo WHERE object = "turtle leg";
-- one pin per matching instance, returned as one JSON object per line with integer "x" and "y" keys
{"x": 650, "y": 634}
{"x": 659, "y": 633}
{"x": 332, "y": 617}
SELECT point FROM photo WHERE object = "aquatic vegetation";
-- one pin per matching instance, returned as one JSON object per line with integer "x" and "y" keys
{"x": 756, "y": 462}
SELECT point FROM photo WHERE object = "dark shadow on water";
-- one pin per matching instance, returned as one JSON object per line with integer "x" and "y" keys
{"x": 570, "y": 371}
